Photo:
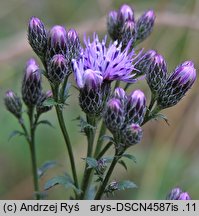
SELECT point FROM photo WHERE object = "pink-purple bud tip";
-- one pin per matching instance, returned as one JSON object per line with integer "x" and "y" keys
{"x": 126, "y": 13}
{"x": 31, "y": 67}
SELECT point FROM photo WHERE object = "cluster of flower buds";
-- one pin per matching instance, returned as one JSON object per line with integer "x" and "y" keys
{"x": 13, "y": 103}
{"x": 122, "y": 26}
{"x": 178, "y": 194}
{"x": 56, "y": 48}
{"x": 167, "y": 88}
{"x": 123, "y": 116}
{"x": 96, "y": 69}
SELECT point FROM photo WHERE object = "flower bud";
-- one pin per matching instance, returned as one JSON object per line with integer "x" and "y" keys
{"x": 31, "y": 85}
{"x": 128, "y": 33}
{"x": 57, "y": 69}
{"x": 73, "y": 45}
{"x": 113, "y": 25}
{"x": 125, "y": 13}
{"x": 57, "y": 41}
{"x": 142, "y": 65}
{"x": 114, "y": 115}
{"x": 135, "y": 108}
{"x": 120, "y": 94}
{"x": 184, "y": 196}
{"x": 178, "y": 194}
{"x": 131, "y": 135}
{"x": 37, "y": 36}
{"x": 40, "y": 107}
{"x": 144, "y": 25}
{"x": 156, "y": 74}
{"x": 13, "y": 103}
{"x": 177, "y": 84}
{"x": 90, "y": 97}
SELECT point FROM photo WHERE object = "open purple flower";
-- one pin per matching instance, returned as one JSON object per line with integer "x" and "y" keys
{"x": 110, "y": 62}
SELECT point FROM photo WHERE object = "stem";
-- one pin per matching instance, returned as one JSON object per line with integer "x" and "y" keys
{"x": 90, "y": 133}
{"x": 104, "y": 150}
{"x": 108, "y": 175}
{"x": 33, "y": 152}
{"x": 148, "y": 115}
{"x": 65, "y": 135}
{"x": 99, "y": 140}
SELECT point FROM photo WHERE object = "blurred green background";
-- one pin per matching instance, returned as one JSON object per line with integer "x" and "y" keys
{"x": 167, "y": 156}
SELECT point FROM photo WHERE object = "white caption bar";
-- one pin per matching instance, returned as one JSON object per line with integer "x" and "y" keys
{"x": 101, "y": 207}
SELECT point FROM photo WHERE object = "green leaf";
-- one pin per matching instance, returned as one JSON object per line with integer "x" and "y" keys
{"x": 108, "y": 159}
{"x": 92, "y": 163}
{"x": 126, "y": 184}
{"x": 15, "y": 133}
{"x": 107, "y": 138}
{"x": 46, "y": 122}
{"x": 129, "y": 156}
{"x": 160, "y": 116}
{"x": 65, "y": 181}
{"x": 45, "y": 167}
{"x": 49, "y": 102}
{"x": 123, "y": 164}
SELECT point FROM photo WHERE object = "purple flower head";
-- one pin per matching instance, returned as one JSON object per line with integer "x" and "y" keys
{"x": 114, "y": 115}
{"x": 184, "y": 74}
{"x": 178, "y": 194}
{"x": 72, "y": 35}
{"x": 156, "y": 73}
{"x": 177, "y": 84}
{"x": 131, "y": 135}
{"x": 73, "y": 45}
{"x": 120, "y": 94}
{"x": 112, "y": 63}
{"x": 31, "y": 85}
{"x": 92, "y": 79}
{"x": 13, "y": 103}
{"x": 184, "y": 196}
{"x": 37, "y": 36}
{"x": 125, "y": 13}
{"x": 135, "y": 107}
{"x": 57, "y": 41}
{"x": 58, "y": 69}
{"x": 31, "y": 68}
{"x": 113, "y": 25}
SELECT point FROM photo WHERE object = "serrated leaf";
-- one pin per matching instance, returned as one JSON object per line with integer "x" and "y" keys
{"x": 49, "y": 102}
{"x": 129, "y": 156}
{"x": 107, "y": 138}
{"x": 123, "y": 164}
{"x": 126, "y": 184}
{"x": 15, "y": 133}
{"x": 65, "y": 180}
{"x": 45, "y": 167}
{"x": 46, "y": 122}
{"x": 92, "y": 162}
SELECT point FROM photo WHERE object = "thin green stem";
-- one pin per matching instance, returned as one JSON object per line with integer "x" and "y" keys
{"x": 90, "y": 133}
{"x": 148, "y": 114}
{"x": 33, "y": 152}
{"x": 65, "y": 135}
{"x": 104, "y": 150}
{"x": 100, "y": 140}
{"x": 108, "y": 175}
